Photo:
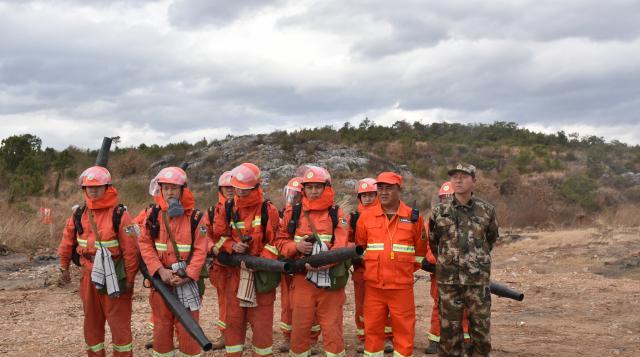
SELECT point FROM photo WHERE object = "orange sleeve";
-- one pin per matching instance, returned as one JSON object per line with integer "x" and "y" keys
{"x": 283, "y": 240}
{"x": 65, "y": 249}
{"x": 341, "y": 233}
{"x": 361, "y": 232}
{"x": 420, "y": 241}
{"x": 148, "y": 251}
{"x": 128, "y": 246}
{"x": 141, "y": 217}
{"x": 199, "y": 252}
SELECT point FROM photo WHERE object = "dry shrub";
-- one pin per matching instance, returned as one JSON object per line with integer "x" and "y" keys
{"x": 22, "y": 231}
{"x": 626, "y": 215}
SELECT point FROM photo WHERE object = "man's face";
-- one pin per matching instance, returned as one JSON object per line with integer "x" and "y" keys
{"x": 463, "y": 183}
{"x": 388, "y": 194}
{"x": 313, "y": 190}
{"x": 95, "y": 192}
{"x": 227, "y": 191}
{"x": 367, "y": 198}
{"x": 170, "y": 190}
{"x": 243, "y": 193}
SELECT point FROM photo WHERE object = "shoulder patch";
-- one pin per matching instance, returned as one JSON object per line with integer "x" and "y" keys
{"x": 343, "y": 221}
{"x": 203, "y": 230}
{"x": 405, "y": 220}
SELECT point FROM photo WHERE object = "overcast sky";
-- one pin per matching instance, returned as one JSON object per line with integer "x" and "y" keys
{"x": 165, "y": 71}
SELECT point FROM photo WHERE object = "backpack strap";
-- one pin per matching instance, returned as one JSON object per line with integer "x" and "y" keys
{"x": 264, "y": 217}
{"x": 211, "y": 214}
{"x": 118, "y": 211}
{"x": 295, "y": 217}
{"x": 353, "y": 220}
{"x": 333, "y": 213}
{"x": 196, "y": 217}
{"x": 77, "y": 218}
{"x": 153, "y": 223}
{"x": 228, "y": 209}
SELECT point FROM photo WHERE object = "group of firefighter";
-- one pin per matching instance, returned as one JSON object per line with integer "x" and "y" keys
{"x": 174, "y": 239}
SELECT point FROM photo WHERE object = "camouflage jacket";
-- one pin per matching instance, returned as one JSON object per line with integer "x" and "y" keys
{"x": 461, "y": 237}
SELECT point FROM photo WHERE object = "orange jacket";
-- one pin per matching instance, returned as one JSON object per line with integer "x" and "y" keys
{"x": 160, "y": 252}
{"x": 394, "y": 248}
{"x": 124, "y": 246}
{"x": 286, "y": 243}
{"x": 248, "y": 224}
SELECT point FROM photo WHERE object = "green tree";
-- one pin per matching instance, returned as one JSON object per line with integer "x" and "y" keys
{"x": 22, "y": 158}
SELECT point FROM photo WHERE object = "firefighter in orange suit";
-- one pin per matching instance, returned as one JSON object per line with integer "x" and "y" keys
{"x": 90, "y": 231}
{"x": 313, "y": 298}
{"x": 174, "y": 249}
{"x": 392, "y": 233}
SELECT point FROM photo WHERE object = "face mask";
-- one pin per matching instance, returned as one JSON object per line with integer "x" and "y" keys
{"x": 175, "y": 208}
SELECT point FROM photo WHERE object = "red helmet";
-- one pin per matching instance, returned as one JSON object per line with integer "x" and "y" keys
{"x": 225, "y": 179}
{"x": 245, "y": 176}
{"x": 446, "y": 189}
{"x": 95, "y": 176}
{"x": 293, "y": 188}
{"x": 316, "y": 174}
{"x": 367, "y": 185}
{"x": 173, "y": 175}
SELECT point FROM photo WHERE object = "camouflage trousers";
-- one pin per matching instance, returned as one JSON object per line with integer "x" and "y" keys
{"x": 477, "y": 300}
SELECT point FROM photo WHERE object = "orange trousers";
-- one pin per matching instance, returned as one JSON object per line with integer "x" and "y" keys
{"x": 100, "y": 308}
{"x": 313, "y": 304}
{"x": 164, "y": 325}
{"x": 399, "y": 303}
{"x": 260, "y": 318}
{"x": 434, "y": 331}
{"x": 218, "y": 276}
{"x": 358, "y": 290}
{"x": 286, "y": 310}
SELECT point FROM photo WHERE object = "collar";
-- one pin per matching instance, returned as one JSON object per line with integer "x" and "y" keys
{"x": 455, "y": 203}
{"x": 403, "y": 210}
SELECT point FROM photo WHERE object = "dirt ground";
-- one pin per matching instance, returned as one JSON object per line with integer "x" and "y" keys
{"x": 582, "y": 297}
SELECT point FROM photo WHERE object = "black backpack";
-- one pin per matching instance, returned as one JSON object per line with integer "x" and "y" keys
{"x": 295, "y": 217}
{"x": 264, "y": 214}
{"x": 153, "y": 224}
{"x": 116, "y": 218}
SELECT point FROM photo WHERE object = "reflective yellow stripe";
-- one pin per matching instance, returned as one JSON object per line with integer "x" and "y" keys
{"x": 150, "y": 325}
{"x": 256, "y": 222}
{"x": 285, "y": 326}
{"x": 95, "y": 348}
{"x": 263, "y": 351}
{"x": 162, "y": 247}
{"x": 184, "y": 248}
{"x": 271, "y": 249}
{"x": 388, "y": 329}
{"x": 108, "y": 243}
{"x": 298, "y": 239}
{"x": 396, "y": 354}
{"x": 233, "y": 349}
{"x": 374, "y": 354}
{"x": 221, "y": 242}
{"x": 123, "y": 348}
{"x": 315, "y": 328}
{"x": 467, "y": 336}
{"x": 222, "y": 324}
{"x": 401, "y": 248}
{"x": 323, "y": 237}
{"x": 360, "y": 332}
{"x": 166, "y": 354}
{"x": 329, "y": 354}
{"x": 182, "y": 354}
{"x": 433, "y": 337}
{"x": 303, "y": 354}
{"x": 419, "y": 259}
{"x": 235, "y": 225}
{"x": 375, "y": 246}
{"x": 82, "y": 242}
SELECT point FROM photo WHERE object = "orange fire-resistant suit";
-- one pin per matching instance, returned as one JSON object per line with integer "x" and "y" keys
{"x": 160, "y": 252}
{"x": 218, "y": 274}
{"x": 246, "y": 221}
{"x": 97, "y": 306}
{"x": 309, "y": 302}
{"x": 394, "y": 250}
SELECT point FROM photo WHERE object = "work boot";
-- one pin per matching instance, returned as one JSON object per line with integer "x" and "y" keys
{"x": 432, "y": 349}
{"x": 149, "y": 344}
{"x": 284, "y": 347}
{"x": 218, "y": 344}
{"x": 315, "y": 350}
{"x": 388, "y": 346}
{"x": 360, "y": 347}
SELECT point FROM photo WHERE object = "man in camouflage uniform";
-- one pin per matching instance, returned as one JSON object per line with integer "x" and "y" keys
{"x": 462, "y": 234}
